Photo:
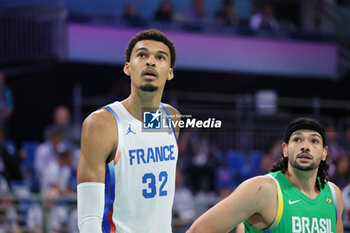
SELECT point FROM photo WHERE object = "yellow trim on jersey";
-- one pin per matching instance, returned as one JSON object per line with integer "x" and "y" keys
{"x": 278, "y": 217}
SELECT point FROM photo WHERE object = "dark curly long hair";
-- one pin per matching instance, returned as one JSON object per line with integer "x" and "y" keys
{"x": 322, "y": 173}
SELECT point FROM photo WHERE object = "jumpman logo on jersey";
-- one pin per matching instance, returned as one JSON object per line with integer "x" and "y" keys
{"x": 130, "y": 130}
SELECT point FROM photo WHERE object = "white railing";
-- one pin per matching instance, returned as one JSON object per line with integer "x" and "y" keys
{"x": 37, "y": 213}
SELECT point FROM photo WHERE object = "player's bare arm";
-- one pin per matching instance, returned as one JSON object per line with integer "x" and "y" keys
{"x": 255, "y": 200}
{"x": 99, "y": 139}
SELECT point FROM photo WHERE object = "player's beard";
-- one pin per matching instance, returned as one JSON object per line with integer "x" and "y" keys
{"x": 148, "y": 88}
{"x": 300, "y": 167}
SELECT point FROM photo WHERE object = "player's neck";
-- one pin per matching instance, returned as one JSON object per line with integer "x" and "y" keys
{"x": 305, "y": 181}
{"x": 137, "y": 101}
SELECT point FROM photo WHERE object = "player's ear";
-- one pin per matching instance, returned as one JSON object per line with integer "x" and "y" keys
{"x": 325, "y": 153}
{"x": 284, "y": 150}
{"x": 171, "y": 74}
{"x": 126, "y": 68}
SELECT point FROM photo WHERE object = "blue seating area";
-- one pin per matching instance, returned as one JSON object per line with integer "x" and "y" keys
{"x": 254, "y": 161}
{"x": 236, "y": 162}
{"x": 237, "y": 167}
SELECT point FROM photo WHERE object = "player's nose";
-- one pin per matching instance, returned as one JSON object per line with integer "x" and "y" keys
{"x": 151, "y": 61}
{"x": 305, "y": 146}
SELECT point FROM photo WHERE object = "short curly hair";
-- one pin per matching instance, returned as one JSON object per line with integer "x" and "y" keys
{"x": 155, "y": 35}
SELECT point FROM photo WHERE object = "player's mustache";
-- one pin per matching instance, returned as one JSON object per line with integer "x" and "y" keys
{"x": 304, "y": 154}
{"x": 150, "y": 71}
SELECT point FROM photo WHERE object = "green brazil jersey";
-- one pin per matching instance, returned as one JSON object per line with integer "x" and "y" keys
{"x": 298, "y": 213}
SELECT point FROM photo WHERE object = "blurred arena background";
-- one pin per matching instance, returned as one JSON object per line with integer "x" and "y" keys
{"x": 61, "y": 60}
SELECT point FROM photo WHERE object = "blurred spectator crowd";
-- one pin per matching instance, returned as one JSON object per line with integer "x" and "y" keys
{"x": 196, "y": 15}
{"x": 265, "y": 15}
{"x": 38, "y": 180}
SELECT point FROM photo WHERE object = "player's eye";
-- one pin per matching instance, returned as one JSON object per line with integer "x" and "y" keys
{"x": 315, "y": 141}
{"x": 161, "y": 57}
{"x": 296, "y": 139}
{"x": 141, "y": 55}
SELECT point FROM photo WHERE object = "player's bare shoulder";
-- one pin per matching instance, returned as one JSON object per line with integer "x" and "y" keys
{"x": 261, "y": 190}
{"x": 336, "y": 188}
{"x": 100, "y": 126}
{"x": 264, "y": 186}
{"x": 98, "y": 120}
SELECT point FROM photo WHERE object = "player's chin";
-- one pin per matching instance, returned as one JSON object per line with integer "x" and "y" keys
{"x": 148, "y": 88}
{"x": 306, "y": 167}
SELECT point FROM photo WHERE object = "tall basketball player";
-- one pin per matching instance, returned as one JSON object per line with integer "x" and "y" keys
{"x": 126, "y": 177}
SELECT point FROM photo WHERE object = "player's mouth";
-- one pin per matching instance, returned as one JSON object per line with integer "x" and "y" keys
{"x": 304, "y": 157}
{"x": 150, "y": 73}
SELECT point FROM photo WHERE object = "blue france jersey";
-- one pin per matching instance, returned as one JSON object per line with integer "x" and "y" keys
{"x": 140, "y": 181}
